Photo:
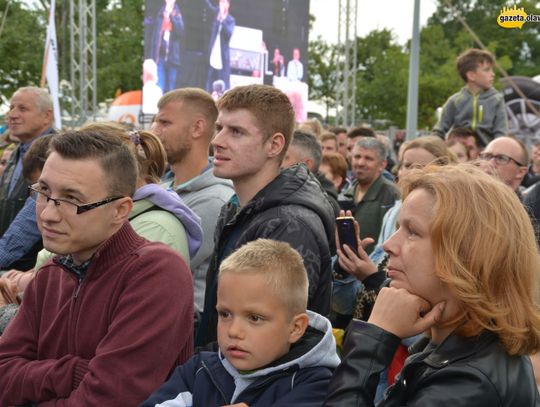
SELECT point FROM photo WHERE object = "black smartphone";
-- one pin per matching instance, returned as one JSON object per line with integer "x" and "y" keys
{"x": 346, "y": 232}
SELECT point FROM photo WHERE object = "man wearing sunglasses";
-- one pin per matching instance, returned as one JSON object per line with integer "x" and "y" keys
{"x": 508, "y": 158}
{"x": 101, "y": 324}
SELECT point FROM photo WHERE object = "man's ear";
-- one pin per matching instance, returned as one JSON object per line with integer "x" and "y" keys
{"x": 521, "y": 174}
{"x": 276, "y": 144}
{"x": 383, "y": 165}
{"x": 299, "y": 324}
{"x": 123, "y": 209}
{"x": 198, "y": 128}
{"x": 48, "y": 117}
{"x": 309, "y": 164}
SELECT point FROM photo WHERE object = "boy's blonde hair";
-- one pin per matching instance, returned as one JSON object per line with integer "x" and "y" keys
{"x": 280, "y": 265}
{"x": 485, "y": 250}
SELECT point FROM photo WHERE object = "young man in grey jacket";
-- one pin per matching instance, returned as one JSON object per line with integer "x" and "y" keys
{"x": 185, "y": 124}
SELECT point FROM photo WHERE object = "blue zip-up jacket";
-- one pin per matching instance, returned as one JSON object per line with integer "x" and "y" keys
{"x": 299, "y": 378}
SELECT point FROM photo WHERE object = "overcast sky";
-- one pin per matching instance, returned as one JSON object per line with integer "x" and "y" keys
{"x": 396, "y": 15}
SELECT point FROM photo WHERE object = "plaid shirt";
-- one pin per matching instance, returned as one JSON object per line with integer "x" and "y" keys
{"x": 78, "y": 269}
{"x": 21, "y": 235}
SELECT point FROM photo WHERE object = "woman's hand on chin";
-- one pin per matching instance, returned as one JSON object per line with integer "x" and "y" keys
{"x": 403, "y": 314}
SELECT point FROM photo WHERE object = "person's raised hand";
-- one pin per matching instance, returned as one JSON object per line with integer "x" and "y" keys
{"x": 404, "y": 314}
{"x": 357, "y": 264}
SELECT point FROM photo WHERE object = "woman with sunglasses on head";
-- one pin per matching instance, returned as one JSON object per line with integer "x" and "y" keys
{"x": 464, "y": 269}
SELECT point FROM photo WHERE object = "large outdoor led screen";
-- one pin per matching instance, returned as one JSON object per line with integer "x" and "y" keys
{"x": 220, "y": 44}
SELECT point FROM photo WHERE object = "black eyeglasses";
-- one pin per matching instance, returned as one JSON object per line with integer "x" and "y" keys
{"x": 501, "y": 159}
{"x": 65, "y": 205}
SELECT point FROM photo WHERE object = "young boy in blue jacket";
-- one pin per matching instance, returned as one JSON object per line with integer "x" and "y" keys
{"x": 272, "y": 352}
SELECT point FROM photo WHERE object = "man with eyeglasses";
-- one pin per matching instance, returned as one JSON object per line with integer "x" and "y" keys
{"x": 507, "y": 158}
{"x": 102, "y": 323}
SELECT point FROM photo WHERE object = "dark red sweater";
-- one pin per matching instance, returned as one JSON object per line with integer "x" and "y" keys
{"x": 110, "y": 341}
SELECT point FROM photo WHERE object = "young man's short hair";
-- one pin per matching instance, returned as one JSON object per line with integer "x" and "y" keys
{"x": 270, "y": 106}
{"x": 309, "y": 146}
{"x": 281, "y": 266}
{"x": 361, "y": 131}
{"x": 115, "y": 158}
{"x": 195, "y": 99}
{"x": 469, "y": 60}
{"x": 338, "y": 130}
{"x": 328, "y": 135}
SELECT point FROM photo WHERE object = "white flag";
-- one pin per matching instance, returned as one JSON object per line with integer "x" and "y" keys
{"x": 51, "y": 66}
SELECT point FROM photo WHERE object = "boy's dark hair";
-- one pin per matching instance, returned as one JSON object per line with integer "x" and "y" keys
{"x": 117, "y": 161}
{"x": 35, "y": 157}
{"x": 361, "y": 131}
{"x": 469, "y": 60}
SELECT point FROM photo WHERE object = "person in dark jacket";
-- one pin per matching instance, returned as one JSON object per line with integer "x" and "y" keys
{"x": 255, "y": 125}
{"x": 370, "y": 195}
{"x": 219, "y": 53}
{"x": 166, "y": 45}
{"x": 272, "y": 352}
{"x": 532, "y": 204}
{"x": 306, "y": 149}
{"x": 464, "y": 268}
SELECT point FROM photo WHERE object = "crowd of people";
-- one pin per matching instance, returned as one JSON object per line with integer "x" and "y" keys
{"x": 199, "y": 263}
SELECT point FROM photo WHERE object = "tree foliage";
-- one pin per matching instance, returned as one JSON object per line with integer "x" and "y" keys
{"x": 322, "y": 68}
{"x": 382, "y": 71}
{"x": 21, "y": 49}
{"x": 382, "y": 75}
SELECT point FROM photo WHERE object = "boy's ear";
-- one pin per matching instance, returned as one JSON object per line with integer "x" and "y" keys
{"x": 299, "y": 325}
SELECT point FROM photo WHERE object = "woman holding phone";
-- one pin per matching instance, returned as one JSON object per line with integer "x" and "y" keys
{"x": 464, "y": 270}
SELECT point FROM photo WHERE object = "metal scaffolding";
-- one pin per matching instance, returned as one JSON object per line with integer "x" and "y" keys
{"x": 347, "y": 65}
{"x": 82, "y": 23}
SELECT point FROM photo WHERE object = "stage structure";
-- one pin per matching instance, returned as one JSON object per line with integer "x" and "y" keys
{"x": 347, "y": 65}
{"x": 82, "y": 23}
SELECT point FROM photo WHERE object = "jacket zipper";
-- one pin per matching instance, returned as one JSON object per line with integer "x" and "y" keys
{"x": 214, "y": 381}
{"x": 475, "y": 99}
{"x": 78, "y": 288}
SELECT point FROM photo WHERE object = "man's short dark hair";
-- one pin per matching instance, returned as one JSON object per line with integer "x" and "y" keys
{"x": 117, "y": 162}
{"x": 35, "y": 157}
{"x": 361, "y": 131}
{"x": 309, "y": 145}
{"x": 471, "y": 59}
{"x": 462, "y": 133}
{"x": 338, "y": 130}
